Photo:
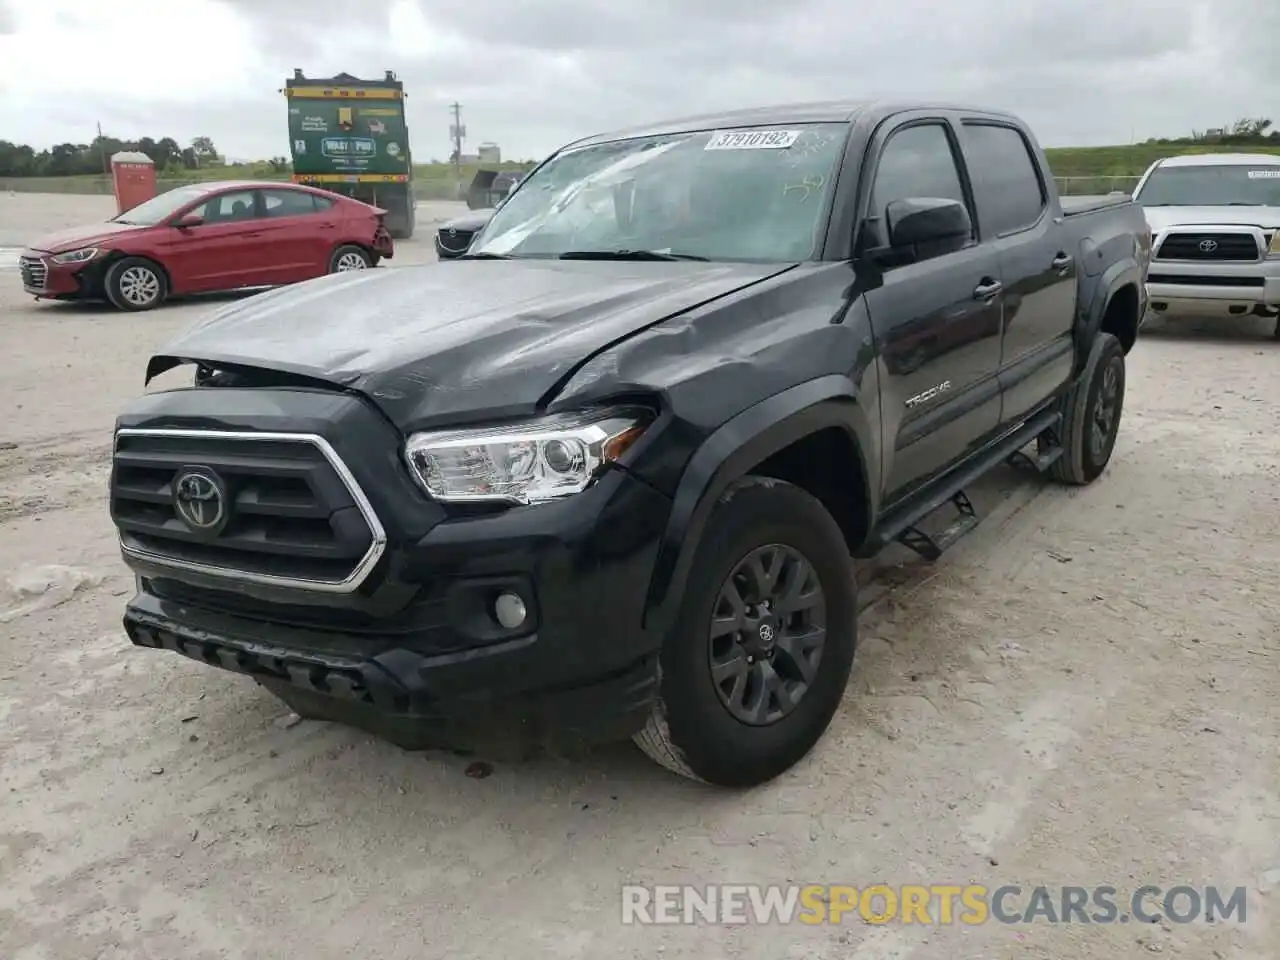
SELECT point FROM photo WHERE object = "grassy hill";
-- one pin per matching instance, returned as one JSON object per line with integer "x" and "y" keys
{"x": 1129, "y": 161}
{"x": 1078, "y": 170}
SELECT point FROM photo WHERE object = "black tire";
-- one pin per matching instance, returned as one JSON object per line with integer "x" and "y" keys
{"x": 692, "y": 731}
{"x": 1082, "y": 459}
{"x": 135, "y": 284}
{"x": 347, "y": 255}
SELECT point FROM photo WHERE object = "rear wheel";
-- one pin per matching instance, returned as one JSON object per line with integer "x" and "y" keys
{"x": 1091, "y": 415}
{"x": 135, "y": 283}
{"x": 757, "y": 662}
{"x": 350, "y": 257}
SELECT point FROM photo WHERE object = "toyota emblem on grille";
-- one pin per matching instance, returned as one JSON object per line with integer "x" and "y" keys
{"x": 1208, "y": 246}
{"x": 200, "y": 501}
{"x": 453, "y": 232}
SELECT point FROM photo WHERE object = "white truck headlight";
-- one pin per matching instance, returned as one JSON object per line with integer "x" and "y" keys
{"x": 529, "y": 462}
{"x": 1274, "y": 250}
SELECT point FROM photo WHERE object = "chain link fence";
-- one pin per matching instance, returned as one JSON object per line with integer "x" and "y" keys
{"x": 1092, "y": 186}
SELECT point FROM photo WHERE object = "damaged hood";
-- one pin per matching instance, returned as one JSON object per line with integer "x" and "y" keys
{"x": 471, "y": 340}
{"x": 77, "y": 237}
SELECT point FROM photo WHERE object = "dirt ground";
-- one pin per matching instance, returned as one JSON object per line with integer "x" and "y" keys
{"x": 1085, "y": 691}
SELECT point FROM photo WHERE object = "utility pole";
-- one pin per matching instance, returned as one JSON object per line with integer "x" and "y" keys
{"x": 457, "y": 131}
{"x": 102, "y": 147}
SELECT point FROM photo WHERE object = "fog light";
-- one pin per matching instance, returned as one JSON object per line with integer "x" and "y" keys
{"x": 509, "y": 610}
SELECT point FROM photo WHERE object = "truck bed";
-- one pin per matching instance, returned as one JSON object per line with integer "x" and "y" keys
{"x": 1088, "y": 203}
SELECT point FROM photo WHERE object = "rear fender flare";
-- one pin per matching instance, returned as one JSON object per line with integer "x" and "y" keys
{"x": 1119, "y": 274}
{"x": 729, "y": 454}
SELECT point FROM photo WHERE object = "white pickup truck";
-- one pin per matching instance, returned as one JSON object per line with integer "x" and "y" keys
{"x": 1215, "y": 225}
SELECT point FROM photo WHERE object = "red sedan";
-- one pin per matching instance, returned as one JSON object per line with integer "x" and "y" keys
{"x": 207, "y": 237}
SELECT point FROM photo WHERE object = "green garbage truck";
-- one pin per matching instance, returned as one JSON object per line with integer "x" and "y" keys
{"x": 349, "y": 136}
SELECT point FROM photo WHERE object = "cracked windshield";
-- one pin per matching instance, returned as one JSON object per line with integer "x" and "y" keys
{"x": 751, "y": 195}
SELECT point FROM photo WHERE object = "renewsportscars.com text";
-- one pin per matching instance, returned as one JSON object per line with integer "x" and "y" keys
{"x": 932, "y": 904}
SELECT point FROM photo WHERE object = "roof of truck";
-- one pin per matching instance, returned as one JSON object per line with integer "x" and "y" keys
{"x": 823, "y": 111}
{"x": 1220, "y": 159}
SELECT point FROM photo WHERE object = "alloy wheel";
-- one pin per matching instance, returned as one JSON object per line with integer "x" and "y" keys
{"x": 767, "y": 633}
{"x": 350, "y": 261}
{"x": 139, "y": 286}
{"x": 1105, "y": 408}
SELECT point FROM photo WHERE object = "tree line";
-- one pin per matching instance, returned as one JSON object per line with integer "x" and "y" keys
{"x": 1245, "y": 132}
{"x": 81, "y": 159}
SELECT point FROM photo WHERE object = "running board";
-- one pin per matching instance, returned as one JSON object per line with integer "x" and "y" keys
{"x": 1040, "y": 462}
{"x": 902, "y": 524}
{"x": 931, "y": 546}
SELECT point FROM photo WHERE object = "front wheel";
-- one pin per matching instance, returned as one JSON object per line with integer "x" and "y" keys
{"x": 135, "y": 283}
{"x": 1091, "y": 415}
{"x": 350, "y": 257}
{"x": 757, "y": 662}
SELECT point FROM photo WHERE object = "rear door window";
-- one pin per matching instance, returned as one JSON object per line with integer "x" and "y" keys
{"x": 288, "y": 203}
{"x": 1006, "y": 178}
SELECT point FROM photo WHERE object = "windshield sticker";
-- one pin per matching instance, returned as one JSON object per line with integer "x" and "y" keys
{"x": 752, "y": 140}
{"x": 1265, "y": 174}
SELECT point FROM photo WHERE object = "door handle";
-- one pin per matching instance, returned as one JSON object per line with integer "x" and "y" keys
{"x": 1061, "y": 262}
{"x": 987, "y": 289}
{"x": 250, "y": 236}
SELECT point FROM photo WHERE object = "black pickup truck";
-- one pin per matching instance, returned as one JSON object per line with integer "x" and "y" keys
{"x": 605, "y": 475}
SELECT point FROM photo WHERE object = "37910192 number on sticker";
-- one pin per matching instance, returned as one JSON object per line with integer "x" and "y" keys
{"x": 752, "y": 139}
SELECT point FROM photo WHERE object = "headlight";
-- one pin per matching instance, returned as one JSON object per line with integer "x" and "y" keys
{"x": 523, "y": 463}
{"x": 76, "y": 256}
{"x": 1274, "y": 250}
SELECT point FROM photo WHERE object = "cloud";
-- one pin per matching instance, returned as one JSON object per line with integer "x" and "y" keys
{"x": 532, "y": 76}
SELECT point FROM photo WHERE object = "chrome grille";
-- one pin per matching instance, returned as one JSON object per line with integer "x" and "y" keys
{"x": 294, "y": 514}
{"x": 1221, "y": 247}
{"x": 35, "y": 272}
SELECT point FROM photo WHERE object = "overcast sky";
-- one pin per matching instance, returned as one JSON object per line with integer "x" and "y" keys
{"x": 533, "y": 74}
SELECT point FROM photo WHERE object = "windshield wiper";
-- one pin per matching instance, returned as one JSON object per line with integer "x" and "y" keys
{"x": 628, "y": 255}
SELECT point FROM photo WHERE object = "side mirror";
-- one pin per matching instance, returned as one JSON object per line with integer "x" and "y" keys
{"x": 186, "y": 223}
{"x": 923, "y": 227}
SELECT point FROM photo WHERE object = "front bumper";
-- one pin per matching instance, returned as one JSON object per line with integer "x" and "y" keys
{"x": 1233, "y": 294}
{"x": 418, "y": 640}
{"x": 44, "y": 278}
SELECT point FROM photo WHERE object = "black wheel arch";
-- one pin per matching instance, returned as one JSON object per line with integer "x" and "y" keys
{"x": 1116, "y": 307}
{"x": 778, "y": 437}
